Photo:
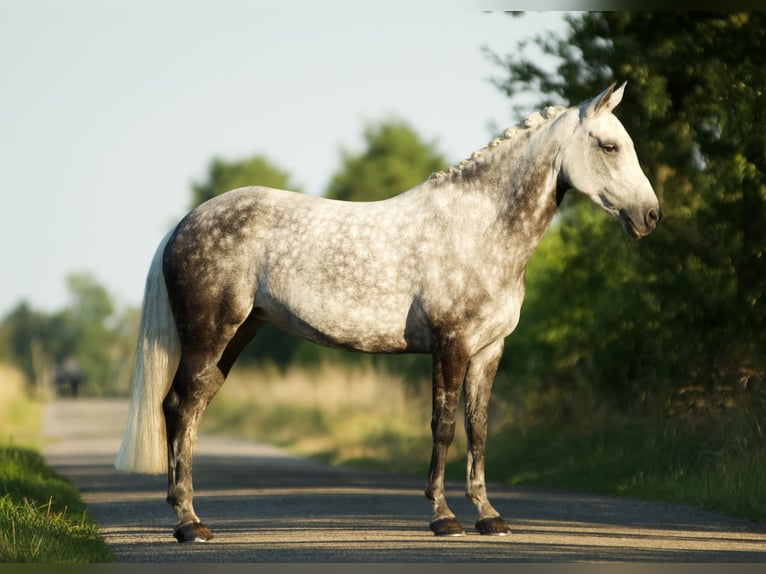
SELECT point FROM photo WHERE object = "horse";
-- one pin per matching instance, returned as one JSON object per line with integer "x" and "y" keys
{"x": 438, "y": 269}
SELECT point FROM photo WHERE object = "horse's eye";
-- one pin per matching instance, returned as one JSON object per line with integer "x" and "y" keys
{"x": 609, "y": 147}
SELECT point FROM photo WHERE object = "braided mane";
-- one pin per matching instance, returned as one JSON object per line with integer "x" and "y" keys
{"x": 469, "y": 165}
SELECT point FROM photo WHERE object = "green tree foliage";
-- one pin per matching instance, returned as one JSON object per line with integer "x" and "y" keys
{"x": 224, "y": 176}
{"x": 685, "y": 306}
{"x": 22, "y": 331}
{"x": 89, "y": 330}
{"x": 394, "y": 160}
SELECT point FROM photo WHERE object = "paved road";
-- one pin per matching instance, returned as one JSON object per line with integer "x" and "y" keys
{"x": 265, "y": 505}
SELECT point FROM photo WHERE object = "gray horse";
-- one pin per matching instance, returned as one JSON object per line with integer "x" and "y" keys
{"x": 438, "y": 269}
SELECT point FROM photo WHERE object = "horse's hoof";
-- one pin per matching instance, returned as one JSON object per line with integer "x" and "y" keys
{"x": 447, "y": 527}
{"x": 493, "y": 526}
{"x": 192, "y": 532}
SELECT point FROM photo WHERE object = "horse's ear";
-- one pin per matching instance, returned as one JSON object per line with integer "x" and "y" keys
{"x": 606, "y": 101}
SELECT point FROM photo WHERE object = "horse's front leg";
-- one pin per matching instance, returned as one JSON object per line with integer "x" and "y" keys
{"x": 482, "y": 369}
{"x": 183, "y": 408}
{"x": 449, "y": 367}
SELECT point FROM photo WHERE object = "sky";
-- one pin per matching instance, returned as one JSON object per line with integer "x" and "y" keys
{"x": 109, "y": 111}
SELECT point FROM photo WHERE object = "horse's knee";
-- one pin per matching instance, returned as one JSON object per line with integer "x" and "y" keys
{"x": 443, "y": 430}
{"x": 443, "y": 422}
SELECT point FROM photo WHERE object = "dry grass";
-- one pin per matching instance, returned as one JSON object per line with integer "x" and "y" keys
{"x": 344, "y": 414}
{"x": 20, "y": 415}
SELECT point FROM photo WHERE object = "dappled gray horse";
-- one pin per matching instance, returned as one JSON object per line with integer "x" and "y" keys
{"x": 438, "y": 269}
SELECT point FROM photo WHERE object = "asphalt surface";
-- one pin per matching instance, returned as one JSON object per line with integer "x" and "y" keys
{"x": 265, "y": 505}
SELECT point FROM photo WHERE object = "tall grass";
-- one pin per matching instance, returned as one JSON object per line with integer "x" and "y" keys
{"x": 20, "y": 415}
{"x": 714, "y": 458}
{"x": 642, "y": 458}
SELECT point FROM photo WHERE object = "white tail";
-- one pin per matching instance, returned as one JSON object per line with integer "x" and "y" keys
{"x": 144, "y": 446}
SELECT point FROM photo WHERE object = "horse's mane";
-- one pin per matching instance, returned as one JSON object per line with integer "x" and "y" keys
{"x": 469, "y": 165}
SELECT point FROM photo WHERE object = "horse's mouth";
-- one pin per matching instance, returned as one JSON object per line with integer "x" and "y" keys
{"x": 628, "y": 225}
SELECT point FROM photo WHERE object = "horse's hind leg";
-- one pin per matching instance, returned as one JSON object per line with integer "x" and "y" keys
{"x": 195, "y": 383}
{"x": 478, "y": 386}
{"x": 200, "y": 374}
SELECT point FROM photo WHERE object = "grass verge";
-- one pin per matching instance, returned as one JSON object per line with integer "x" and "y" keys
{"x": 359, "y": 416}
{"x": 703, "y": 465}
{"x": 42, "y": 518}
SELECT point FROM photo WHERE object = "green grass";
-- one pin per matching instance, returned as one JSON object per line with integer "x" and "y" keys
{"x": 42, "y": 518}
{"x": 710, "y": 465}
{"x": 712, "y": 462}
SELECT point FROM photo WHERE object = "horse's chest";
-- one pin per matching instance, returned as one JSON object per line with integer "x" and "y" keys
{"x": 477, "y": 304}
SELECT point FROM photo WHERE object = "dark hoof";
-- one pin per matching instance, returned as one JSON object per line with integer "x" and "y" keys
{"x": 447, "y": 527}
{"x": 193, "y": 532}
{"x": 493, "y": 526}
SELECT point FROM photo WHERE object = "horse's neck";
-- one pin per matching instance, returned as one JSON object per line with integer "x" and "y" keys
{"x": 521, "y": 179}
{"x": 532, "y": 196}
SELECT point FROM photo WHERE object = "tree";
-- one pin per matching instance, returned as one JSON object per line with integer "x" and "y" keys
{"x": 82, "y": 330}
{"x": 23, "y": 331}
{"x": 686, "y": 305}
{"x": 89, "y": 329}
{"x": 224, "y": 176}
{"x": 394, "y": 160}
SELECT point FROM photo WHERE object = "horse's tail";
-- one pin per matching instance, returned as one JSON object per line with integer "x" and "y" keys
{"x": 144, "y": 446}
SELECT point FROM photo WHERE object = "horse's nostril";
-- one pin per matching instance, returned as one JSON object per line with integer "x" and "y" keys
{"x": 653, "y": 217}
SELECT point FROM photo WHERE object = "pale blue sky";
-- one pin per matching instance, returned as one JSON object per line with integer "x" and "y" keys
{"x": 109, "y": 110}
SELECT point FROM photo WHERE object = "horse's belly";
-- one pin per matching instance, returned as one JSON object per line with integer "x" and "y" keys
{"x": 371, "y": 329}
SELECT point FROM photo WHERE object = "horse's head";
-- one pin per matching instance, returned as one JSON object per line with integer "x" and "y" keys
{"x": 599, "y": 160}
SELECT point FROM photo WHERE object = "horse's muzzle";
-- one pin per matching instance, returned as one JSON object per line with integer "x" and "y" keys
{"x": 642, "y": 225}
